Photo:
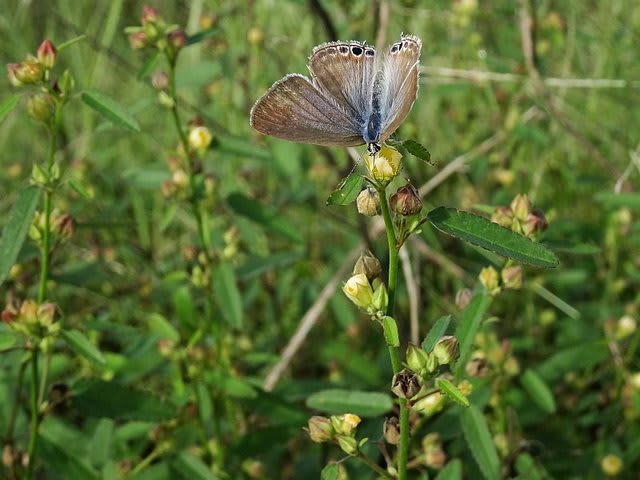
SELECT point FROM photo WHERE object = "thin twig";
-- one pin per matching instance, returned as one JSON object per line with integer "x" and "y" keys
{"x": 383, "y": 23}
{"x": 441, "y": 261}
{"x": 414, "y": 294}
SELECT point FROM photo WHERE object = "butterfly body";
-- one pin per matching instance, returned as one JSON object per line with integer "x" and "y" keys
{"x": 352, "y": 97}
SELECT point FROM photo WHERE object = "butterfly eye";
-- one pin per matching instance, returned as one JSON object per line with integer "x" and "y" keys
{"x": 396, "y": 48}
{"x": 344, "y": 50}
{"x": 369, "y": 52}
{"x": 357, "y": 51}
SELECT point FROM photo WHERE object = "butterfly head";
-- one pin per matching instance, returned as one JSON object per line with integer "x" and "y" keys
{"x": 373, "y": 147}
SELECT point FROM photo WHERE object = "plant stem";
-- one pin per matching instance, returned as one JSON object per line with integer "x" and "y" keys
{"x": 373, "y": 466}
{"x": 35, "y": 415}
{"x": 403, "y": 448}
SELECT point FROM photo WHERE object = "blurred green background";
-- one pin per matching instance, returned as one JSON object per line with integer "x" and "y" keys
{"x": 569, "y": 140}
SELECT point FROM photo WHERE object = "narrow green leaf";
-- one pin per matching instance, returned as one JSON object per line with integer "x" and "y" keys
{"x": 160, "y": 325}
{"x": 618, "y": 200}
{"x": 417, "y": 150}
{"x": 149, "y": 66}
{"x": 202, "y": 35}
{"x": 436, "y": 332}
{"x": 192, "y": 468}
{"x": 227, "y": 294}
{"x": 480, "y": 442}
{"x": 451, "y": 471}
{"x": 582, "y": 356}
{"x": 68, "y": 43}
{"x": 110, "y": 109}
{"x": 77, "y": 187}
{"x": 469, "y": 324}
{"x": 347, "y": 191}
{"x": 97, "y": 398}
{"x": 365, "y": 404}
{"x": 258, "y": 265}
{"x": 100, "y": 446}
{"x": 527, "y": 468}
{"x": 59, "y": 459}
{"x": 16, "y": 228}
{"x": 538, "y": 390}
{"x": 451, "y": 391}
{"x": 390, "y": 329}
{"x": 330, "y": 472}
{"x": 7, "y": 105}
{"x": 82, "y": 346}
{"x": 576, "y": 249}
{"x": 491, "y": 236}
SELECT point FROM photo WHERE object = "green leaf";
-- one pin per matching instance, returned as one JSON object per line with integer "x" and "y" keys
{"x": 227, "y": 294}
{"x": 418, "y": 150}
{"x": 618, "y": 200}
{"x": 77, "y": 187}
{"x": 258, "y": 265}
{"x": 577, "y": 249}
{"x": 68, "y": 43}
{"x": 451, "y": 471}
{"x": 97, "y": 398}
{"x": 7, "y": 105}
{"x": 336, "y": 401}
{"x": 527, "y": 468}
{"x": 100, "y": 446}
{"x": 16, "y": 228}
{"x": 390, "y": 329}
{"x": 82, "y": 346}
{"x": 480, "y": 442}
{"x": 451, "y": 391}
{"x": 469, "y": 324}
{"x": 330, "y": 472}
{"x": 538, "y": 390}
{"x": 436, "y": 332}
{"x": 202, "y": 35}
{"x": 348, "y": 190}
{"x": 486, "y": 234}
{"x": 191, "y": 468}
{"x": 582, "y": 356}
{"x": 59, "y": 459}
{"x": 149, "y": 66}
{"x": 267, "y": 217}
{"x": 160, "y": 325}
{"x": 110, "y": 109}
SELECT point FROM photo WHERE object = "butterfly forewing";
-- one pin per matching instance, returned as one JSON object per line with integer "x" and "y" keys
{"x": 345, "y": 71}
{"x": 400, "y": 85}
{"x": 295, "y": 109}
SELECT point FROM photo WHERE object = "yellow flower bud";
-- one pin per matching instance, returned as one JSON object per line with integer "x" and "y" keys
{"x": 200, "y": 138}
{"x": 320, "y": 429}
{"x": 490, "y": 280}
{"x": 429, "y": 405}
{"x": 359, "y": 291}
{"x": 611, "y": 465}
{"x": 383, "y": 165}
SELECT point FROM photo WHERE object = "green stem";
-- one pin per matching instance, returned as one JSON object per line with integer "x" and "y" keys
{"x": 403, "y": 448}
{"x": 35, "y": 415}
{"x": 373, "y": 466}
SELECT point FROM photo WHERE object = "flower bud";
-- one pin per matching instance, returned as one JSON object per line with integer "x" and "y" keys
{"x": 405, "y": 384}
{"x": 47, "y": 54}
{"x": 430, "y": 404}
{"x": 447, "y": 350}
{"x": 502, "y": 216}
{"x": 64, "y": 226}
{"x": 149, "y": 15}
{"x": 160, "y": 80}
{"x": 200, "y": 138}
{"x": 29, "y": 72}
{"x": 512, "y": 277}
{"x": 368, "y": 202}
{"x": 368, "y": 264}
{"x": 39, "y": 175}
{"x": 380, "y": 298}
{"x": 406, "y": 201}
{"x": 359, "y": 291}
{"x": 417, "y": 359}
{"x": 255, "y": 36}
{"x": 40, "y": 107}
{"x": 611, "y": 465}
{"x": 66, "y": 83}
{"x": 521, "y": 207}
{"x": 320, "y": 429}
{"x": 345, "y": 424}
{"x": 349, "y": 445}
{"x": 383, "y": 165}
{"x": 12, "y": 74}
{"x": 435, "y": 458}
{"x": 625, "y": 327}
{"x": 536, "y": 222}
{"x": 391, "y": 430}
{"x": 463, "y": 297}
{"x": 138, "y": 40}
{"x": 490, "y": 280}
{"x": 477, "y": 366}
{"x": 177, "y": 39}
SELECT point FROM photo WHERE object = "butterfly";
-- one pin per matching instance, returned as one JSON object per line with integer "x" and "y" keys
{"x": 353, "y": 97}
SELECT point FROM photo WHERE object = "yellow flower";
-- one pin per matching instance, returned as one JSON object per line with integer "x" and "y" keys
{"x": 200, "y": 138}
{"x": 383, "y": 165}
{"x": 358, "y": 290}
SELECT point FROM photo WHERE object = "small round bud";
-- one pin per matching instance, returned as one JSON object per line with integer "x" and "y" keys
{"x": 200, "y": 138}
{"x": 138, "y": 40}
{"x": 349, "y": 445}
{"x": 383, "y": 165}
{"x": 64, "y": 226}
{"x": 40, "y": 107}
{"x": 149, "y": 15}
{"x": 320, "y": 429}
{"x": 536, "y": 223}
{"x": 477, "y": 366}
{"x": 380, "y": 299}
{"x": 625, "y": 327}
{"x": 503, "y": 216}
{"x": 406, "y": 201}
{"x": 430, "y": 404}
{"x": 255, "y": 36}
{"x": 417, "y": 359}
{"x": 368, "y": 202}
{"x": 521, "y": 207}
{"x": 12, "y": 74}
{"x": 368, "y": 264}
{"x": 512, "y": 277}
{"x": 177, "y": 39}
{"x": 611, "y": 465}
{"x": 29, "y": 72}
{"x": 359, "y": 291}
{"x": 345, "y": 424}
{"x": 391, "y": 430}
{"x": 47, "y": 54}
{"x": 463, "y": 297}
{"x": 405, "y": 384}
{"x": 447, "y": 350}
{"x": 490, "y": 280}
{"x": 160, "y": 80}
{"x": 435, "y": 458}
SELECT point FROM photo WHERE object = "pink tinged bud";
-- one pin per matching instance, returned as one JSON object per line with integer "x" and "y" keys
{"x": 65, "y": 226}
{"x": 9, "y": 314}
{"x": 405, "y": 384}
{"x": 359, "y": 291}
{"x": 29, "y": 72}
{"x": 138, "y": 40}
{"x": 512, "y": 277}
{"x": 12, "y": 71}
{"x": 320, "y": 429}
{"x": 149, "y": 15}
{"x": 368, "y": 202}
{"x": 521, "y": 207}
{"x": 406, "y": 201}
{"x": 47, "y": 54}
{"x": 536, "y": 223}
{"x": 177, "y": 39}
{"x": 463, "y": 297}
{"x": 160, "y": 80}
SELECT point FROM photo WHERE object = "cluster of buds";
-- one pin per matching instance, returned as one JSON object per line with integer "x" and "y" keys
{"x": 520, "y": 217}
{"x": 492, "y": 355}
{"x": 33, "y": 70}
{"x": 510, "y": 277}
{"x": 62, "y": 225}
{"x": 337, "y": 428}
{"x": 35, "y": 321}
{"x": 425, "y": 364}
{"x": 155, "y": 32}
{"x": 199, "y": 267}
{"x": 365, "y": 289}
